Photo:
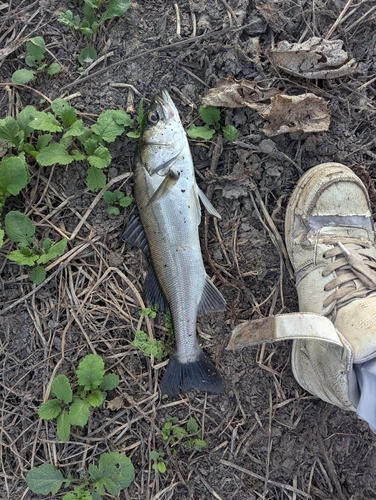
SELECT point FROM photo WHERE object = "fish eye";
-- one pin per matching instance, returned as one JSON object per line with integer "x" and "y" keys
{"x": 153, "y": 118}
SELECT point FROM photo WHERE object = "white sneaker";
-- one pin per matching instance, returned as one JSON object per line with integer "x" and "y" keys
{"x": 331, "y": 243}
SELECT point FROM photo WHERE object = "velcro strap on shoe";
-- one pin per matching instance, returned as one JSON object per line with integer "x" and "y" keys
{"x": 287, "y": 327}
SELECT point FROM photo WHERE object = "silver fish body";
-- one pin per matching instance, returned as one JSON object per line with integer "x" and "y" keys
{"x": 167, "y": 198}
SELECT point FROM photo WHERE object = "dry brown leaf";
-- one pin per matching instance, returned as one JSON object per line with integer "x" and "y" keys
{"x": 315, "y": 58}
{"x": 305, "y": 113}
{"x": 273, "y": 16}
{"x": 230, "y": 93}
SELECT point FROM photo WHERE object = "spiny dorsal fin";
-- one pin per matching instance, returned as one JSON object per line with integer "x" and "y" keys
{"x": 212, "y": 300}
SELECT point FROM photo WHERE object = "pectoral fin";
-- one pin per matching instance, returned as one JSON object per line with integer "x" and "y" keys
{"x": 209, "y": 207}
{"x": 212, "y": 300}
{"x": 165, "y": 187}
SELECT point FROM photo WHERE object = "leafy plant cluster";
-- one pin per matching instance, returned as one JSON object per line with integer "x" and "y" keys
{"x": 190, "y": 435}
{"x": 149, "y": 346}
{"x": 73, "y": 408}
{"x": 35, "y": 59}
{"x": 95, "y": 13}
{"x": 114, "y": 471}
{"x": 211, "y": 116}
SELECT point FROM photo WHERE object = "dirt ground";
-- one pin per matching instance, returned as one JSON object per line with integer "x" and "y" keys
{"x": 267, "y": 438}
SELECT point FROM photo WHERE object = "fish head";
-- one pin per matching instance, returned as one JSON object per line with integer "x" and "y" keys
{"x": 162, "y": 137}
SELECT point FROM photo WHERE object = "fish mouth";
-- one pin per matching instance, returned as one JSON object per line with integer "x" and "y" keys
{"x": 165, "y": 105}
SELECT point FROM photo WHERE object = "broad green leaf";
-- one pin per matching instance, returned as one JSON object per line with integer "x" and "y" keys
{"x": 198, "y": 444}
{"x": 47, "y": 244}
{"x": 56, "y": 250}
{"x": 54, "y": 68}
{"x": 120, "y": 117}
{"x": 90, "y": 145}
{"x": 38, "y": 275}
{"x": 134, "y": 134}
{"x": 63, "y": 426}
{"x": 54, "y": 153}
{"x": 69, "y": 116}
{"x": 46, "y": 122}
{"x": 114, "y": 472}
{"x": 90, "y": 372}
{"x": 110, "y": 381}
{"x": 30, "y": 61}
{"x": 230, "y": 133}
{"x": 19, "y": 228}
{"x": 69, "y": 19}
{"x": 210, "y": 114}
{"x": 22, "y": 259}
{"x": 200, "y": 132}
{"x": 9, "y": 130}
{"x": 44, "y": 479}
{"x": 87, "y": 55}
{"x": 115, "y": 8}
{"x": 22, "y": 76}
{"x": 36, "y": 48}
{"x": 154, "y": 455}
{"x": 126, "y": 201}
{"x": 50, "y": 409}
{"x": 101, "y": 158}
{"x": 2, "y": 234}
{"x": 109, "y": 196}
{"x": 79, "y": 412}
{"x": 43, "y": 141}
{"x": 179, "y": 432}
{"x": 110, "y": 125}
{"x": 25, "y": 117}
{"x": 59, "y": 105}
{"x": 192, "y": 425}
{"x": 96, "y": 179}
{"x": 113, "y": 211}
{"x": 76, "y": 129}
{"x": 61, "y": 388}
{"x": 14, "y": 175}
{"x": 161, "y": 467}
{"x": 77, "y": 155}
{"x": 96, "y": 398}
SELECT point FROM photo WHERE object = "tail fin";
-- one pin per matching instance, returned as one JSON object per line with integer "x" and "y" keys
{"x": 200, "y": 375}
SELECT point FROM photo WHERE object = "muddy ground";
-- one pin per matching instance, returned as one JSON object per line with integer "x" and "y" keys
{"x": 267, "y": 438}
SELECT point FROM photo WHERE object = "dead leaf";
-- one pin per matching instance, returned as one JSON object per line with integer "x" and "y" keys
{"x": 315, "y": 58}
{"x": 273, "y": 16}
{"x": 116, "y": 403}
{"x": 230, "y": 93}
{"x": 305, "y": 113}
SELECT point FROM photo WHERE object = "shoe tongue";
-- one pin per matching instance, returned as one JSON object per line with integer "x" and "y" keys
{"x": 357, "y": 323}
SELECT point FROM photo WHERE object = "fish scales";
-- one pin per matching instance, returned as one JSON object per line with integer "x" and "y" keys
{"x": 167, "y": 198}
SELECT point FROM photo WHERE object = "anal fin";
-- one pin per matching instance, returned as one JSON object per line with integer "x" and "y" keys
{"x": 211, "y": 300}
{"x": 134, "y": 233}
{"x": 153, "y": 292}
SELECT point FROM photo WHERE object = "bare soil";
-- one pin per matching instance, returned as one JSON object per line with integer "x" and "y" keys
{"x": 267, "y": 438}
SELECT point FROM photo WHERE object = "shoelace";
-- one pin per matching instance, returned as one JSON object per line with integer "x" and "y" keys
{"x": 355, "y": 267}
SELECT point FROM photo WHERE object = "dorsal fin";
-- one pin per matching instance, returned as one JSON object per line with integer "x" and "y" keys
{"x": 211, "y": 300}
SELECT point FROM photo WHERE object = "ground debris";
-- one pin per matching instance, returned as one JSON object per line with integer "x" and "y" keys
{"x": 314, "y": 58}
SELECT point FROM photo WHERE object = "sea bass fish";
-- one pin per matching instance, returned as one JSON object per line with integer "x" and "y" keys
{"x": 166, "y": 228}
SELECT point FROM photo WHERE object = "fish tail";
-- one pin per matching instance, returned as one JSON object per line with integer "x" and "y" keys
{"x": 201, "y": 375}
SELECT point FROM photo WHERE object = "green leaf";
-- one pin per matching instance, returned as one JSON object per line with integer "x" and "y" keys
{"x": 230, "y": 133}
{"x": 90, "y": 372}
{"x": 23, "y": 259}
{"x": 50, "y": 409}
{"x": 200, "y": 132}
{"x": 115, "y": 8}
{"x": 22, "y": 76}
{"x": 43, "y": 141}
{"x": 87, "y": 55}
{"x": 44, "y": 479}
{"x": 192, "y": 425}
{"x": 109, "y": 196}
{"x": 179, "y": 432}
{"x": 96, "y": 179}
{"x": 47, "y": 244}
{"x": 126, "y": 201}
{"x": 90, "y": 145}
{"x": 101, "y": 158}
{"x": 134, "y": 134}
{"x": 36, "y": 48}
{"x": 69, "y": 116}
{"x": 76, "y": 129}
{"x": 154, "y": 455}
{"x": 56, "y": 250}
{"x": 54, "y": 68}
{"x": 68, "y": 19}
{"x": 19, "y": 228}
{"x": 109, "y": 382}
{"x": 111, "y": 124}
{"x": 9, "y": 130}
{"x": 210, "y": 114}
{"x": 114, "y": 472}
{"x": 161, "y": 467}
{"x": 79, "y": 412}
{"x": 14, "y": 175}
{"x": 77, "y": 155}
{"x": 2, "y": 234}
{"x": 54, "y": 153}
{"x": 30, "y": 61}
{"x": 63, "y": 426}
{"x": 25, "y": 117}
{"x": 59, "y": 105}
{"x": 198, "y": 444}
{"x": 61, "y": 389}
{"x": 113, "y": 211}
{"x": 38, "y": 275}
{"x": 46, "y": 122}
{"x": 96, "y": 398}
